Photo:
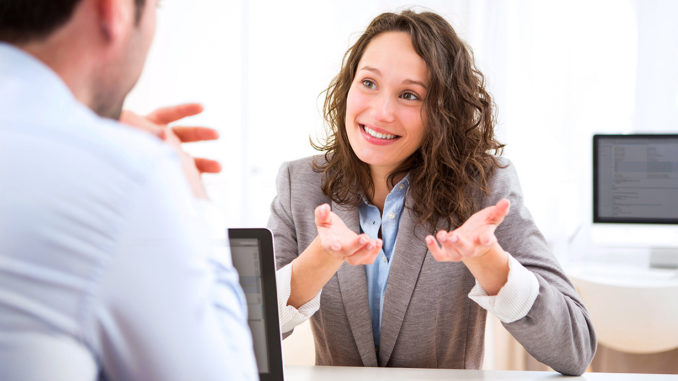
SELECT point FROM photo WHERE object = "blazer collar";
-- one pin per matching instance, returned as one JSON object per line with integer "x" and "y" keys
{"x": 408, "y": 258}
{"x": 353, "y": 287}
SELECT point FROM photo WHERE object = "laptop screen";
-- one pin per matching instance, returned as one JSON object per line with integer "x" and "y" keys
{"x": 245, "y": 253}
{"x": 252, "y": 253}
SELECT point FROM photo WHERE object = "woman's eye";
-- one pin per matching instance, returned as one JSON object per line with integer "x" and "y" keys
{"x": 410, "y": 96}
{"x": 368, "y": 83}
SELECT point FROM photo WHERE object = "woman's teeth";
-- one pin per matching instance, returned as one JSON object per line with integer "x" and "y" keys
{"x": 377, "y": 134}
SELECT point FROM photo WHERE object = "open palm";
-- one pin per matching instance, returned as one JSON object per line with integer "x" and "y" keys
{"x": 342, "y": 243}
{"x": 472, "y": 239}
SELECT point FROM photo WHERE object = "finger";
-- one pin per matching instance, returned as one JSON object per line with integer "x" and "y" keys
{"x": 441, "y": 236}
{"x": 335, "y": 246}
{"x": 438, "y": 254}
{"x": 499, "y": 211}
{"x": 378, "y": 245}
{"x": 486, "y": 239}
{"x": 189, "y": 134}
{"x": 448, "y": 243}
{"x": 358, "y": 243}
{"x": 366, "y": 254}
{"x": 322, "y": 216}
{"x": 168, "y": 137}
{"x": 207, "y": 165}
{"x": 166, "y": 115}
{"x": 163, "y": 135}
{"x": 132, "y": 119}
{"x": 458, "y": 246}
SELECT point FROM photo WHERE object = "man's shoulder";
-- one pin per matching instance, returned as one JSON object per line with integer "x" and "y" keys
{"x": 127, "y": 148}
{"x": 127, "y": 155}
{"x": 70, "y": 188}
{"x": 70, "y": 130}
{"x": 97, "y": 144}
{"x": 88, "y": 158}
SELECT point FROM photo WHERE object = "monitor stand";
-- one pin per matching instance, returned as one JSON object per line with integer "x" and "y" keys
{"x": 664, "y": 257}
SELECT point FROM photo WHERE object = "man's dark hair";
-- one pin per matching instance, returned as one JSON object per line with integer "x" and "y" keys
{"x": 23, "y": 21}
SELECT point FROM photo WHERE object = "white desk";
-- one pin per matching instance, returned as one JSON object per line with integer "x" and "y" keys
{"x": 634, "y": 308}
{"x": 332, "y": 373}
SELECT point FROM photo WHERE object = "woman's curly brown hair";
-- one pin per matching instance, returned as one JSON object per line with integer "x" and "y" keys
{"x": 459, "y": 150}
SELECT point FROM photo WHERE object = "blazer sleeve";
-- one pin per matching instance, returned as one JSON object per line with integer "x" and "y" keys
{"x": 281, "y": 221}
{"x": 299, "y": 192}
{"x": 557, "y": 330}
{"x": 287, "y": 246}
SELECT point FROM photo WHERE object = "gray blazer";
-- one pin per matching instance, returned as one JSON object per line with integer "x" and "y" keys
{"x": 428, "y": 321}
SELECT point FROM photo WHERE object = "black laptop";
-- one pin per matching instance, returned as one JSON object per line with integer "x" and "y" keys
{"x": 253, "y": 257}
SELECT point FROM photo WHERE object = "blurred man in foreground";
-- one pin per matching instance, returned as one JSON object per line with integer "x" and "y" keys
{"x": 106, "y": 269}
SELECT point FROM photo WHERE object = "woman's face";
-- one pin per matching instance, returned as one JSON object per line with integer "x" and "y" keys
{"x": 383, "y": 107}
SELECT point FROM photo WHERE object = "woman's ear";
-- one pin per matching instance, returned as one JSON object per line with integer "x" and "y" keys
{"x": 116, "y": 17}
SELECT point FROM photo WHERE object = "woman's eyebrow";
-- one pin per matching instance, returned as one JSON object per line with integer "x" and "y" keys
{"x": 412, "y": 81}
{"x": 405, "y": 81}
{"x": 370, "y": 68}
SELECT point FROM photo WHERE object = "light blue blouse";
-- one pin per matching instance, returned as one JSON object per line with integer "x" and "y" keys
{"x": 377, "y": 272}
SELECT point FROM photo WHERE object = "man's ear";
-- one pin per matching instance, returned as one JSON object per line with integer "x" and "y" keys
{"x": 116, "y": 17}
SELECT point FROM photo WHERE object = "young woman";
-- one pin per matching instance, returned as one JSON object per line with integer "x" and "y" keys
{"x": 409, "y": 228}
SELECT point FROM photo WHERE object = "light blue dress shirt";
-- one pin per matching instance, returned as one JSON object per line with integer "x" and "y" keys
{"x": 106, "y": 270}
{"x": 377, "y": 272}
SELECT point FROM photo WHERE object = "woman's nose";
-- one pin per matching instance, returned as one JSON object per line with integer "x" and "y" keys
{"x": 384, "y": 108}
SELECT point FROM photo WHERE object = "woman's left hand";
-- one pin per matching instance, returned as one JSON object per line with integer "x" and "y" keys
{"x": 473, "y": 239}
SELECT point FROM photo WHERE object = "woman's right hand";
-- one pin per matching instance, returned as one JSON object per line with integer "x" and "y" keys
{"x": 334, "y": 245}
{"x": 340, "y": 242}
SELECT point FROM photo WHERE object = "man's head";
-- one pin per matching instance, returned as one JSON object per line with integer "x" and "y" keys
{"x": 98, "y": 47}
{"x": 23, "y": 21}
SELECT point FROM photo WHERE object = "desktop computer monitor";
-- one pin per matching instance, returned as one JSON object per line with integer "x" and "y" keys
{"x": 635, "y": 194}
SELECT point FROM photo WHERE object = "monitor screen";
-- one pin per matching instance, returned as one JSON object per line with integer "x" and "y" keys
{"x": 635, "y": 179}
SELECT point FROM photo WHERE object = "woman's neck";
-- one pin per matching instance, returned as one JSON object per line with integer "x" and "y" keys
{"x": 381, "y": 186}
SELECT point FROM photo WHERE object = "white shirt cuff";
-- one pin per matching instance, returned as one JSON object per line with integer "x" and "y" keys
{"x": 290, "y": 317}
{"x": 515, "y": 299}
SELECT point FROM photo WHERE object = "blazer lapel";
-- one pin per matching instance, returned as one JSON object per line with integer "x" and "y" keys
{"x": 409, "y": 254}
{"x": 353, "y": 287}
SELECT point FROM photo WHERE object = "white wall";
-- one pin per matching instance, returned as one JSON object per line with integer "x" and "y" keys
{"x": 559, "y": 71}
{"x": 259, "y": 68}
{"x": 197, "y": 57}
{"x": 294, "y": 49}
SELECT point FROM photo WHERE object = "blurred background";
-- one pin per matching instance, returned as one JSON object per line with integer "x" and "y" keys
{"x": 559, "y": 72}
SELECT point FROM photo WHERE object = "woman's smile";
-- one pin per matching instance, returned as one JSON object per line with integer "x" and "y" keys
{"x": 377, "y": 136}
